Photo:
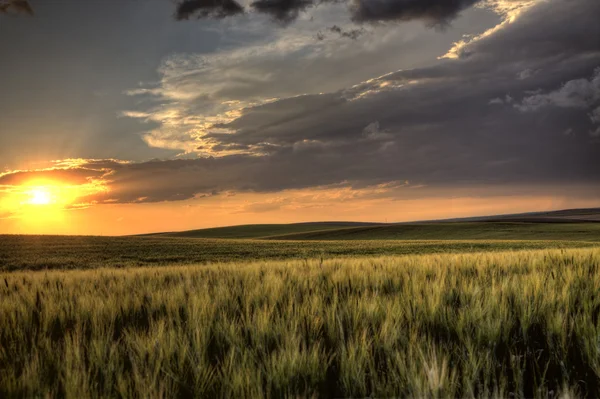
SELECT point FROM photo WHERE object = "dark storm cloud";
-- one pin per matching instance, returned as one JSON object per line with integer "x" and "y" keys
{"x": 434, "y": 12}
{"x": 17, "y": 6}
{"x": 527, "y": 41}
{"x": 284, "y": 11}
{"x": 207, "y": 8}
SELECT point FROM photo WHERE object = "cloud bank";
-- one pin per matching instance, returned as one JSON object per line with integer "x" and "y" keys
{"x": 494, "y": 115}
{"x": 432, "y": 12}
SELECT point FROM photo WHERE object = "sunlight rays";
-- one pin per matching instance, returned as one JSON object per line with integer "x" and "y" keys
{"x": 43, "y": 203}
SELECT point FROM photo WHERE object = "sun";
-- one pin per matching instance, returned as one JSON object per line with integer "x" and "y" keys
{"x": 39, "y": 196}
{"x": 39, "y": 205}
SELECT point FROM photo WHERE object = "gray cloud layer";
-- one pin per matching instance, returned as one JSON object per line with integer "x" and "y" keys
{"x": 433, "y": 12}
{"x": 435, "y": 125}
{"x": 285, "y": 11}
{"x": 496, "y": 115}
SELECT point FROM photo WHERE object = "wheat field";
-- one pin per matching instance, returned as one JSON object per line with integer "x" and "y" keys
{"x": 522, "y": 324}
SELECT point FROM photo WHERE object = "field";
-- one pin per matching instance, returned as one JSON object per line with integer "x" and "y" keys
{"x": 573, "y": 231}
{"x": 48, "y": 252}
{"x": 262, "y": 230}
{"x": 458, "y": 231}
{"x": 452, "y": 325}
{"x": 453, "y": 310}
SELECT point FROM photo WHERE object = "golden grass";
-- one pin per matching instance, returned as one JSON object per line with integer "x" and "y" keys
{"x": 471, "y": 325}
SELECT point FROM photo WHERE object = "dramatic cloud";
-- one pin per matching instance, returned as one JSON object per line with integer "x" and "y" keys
{"x": 433, "y": 12}
{"x": 291, "y": 113}
{"x": 207, "y": 8}
{"x": 577, "y": 93}
{"x": 510, "y": 11}
{"x": 454, "y": 123}
{"x": 284, "y": 11}
{"x": 17, "y": 6}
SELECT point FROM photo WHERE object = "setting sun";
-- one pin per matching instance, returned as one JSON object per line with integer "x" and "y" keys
{"x": 40, "y": 196}
{"x": 43, "y": 205}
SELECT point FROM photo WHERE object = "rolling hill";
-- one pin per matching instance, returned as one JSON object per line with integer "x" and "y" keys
{"x": 571, "y": 224}
{"x": 564, "y": 216}
{"x": 458, "y": 231}
{"x": 264, "y": 230}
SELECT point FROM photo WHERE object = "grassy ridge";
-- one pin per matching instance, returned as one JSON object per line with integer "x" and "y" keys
{"x": 458, "y": 231}
{"x": 498, "y": 230}
{"x": 522, "y": 323}
{"x": 262, "y": 230}
{"x": 60, "y": 252}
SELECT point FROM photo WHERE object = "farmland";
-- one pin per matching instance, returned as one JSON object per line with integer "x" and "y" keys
{"x": 450, "y": 310}
{"x": 56, "y": 252}
{"x": 522, "y": 323}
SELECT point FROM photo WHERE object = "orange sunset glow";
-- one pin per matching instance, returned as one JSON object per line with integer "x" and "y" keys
{"x": 43, "y": 205}
{"x": 52, "y": 207}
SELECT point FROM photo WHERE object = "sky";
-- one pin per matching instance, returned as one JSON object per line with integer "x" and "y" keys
{"x": 160, "y": 115}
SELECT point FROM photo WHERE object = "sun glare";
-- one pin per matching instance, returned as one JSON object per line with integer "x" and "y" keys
{"x": 40, "y": 196}
{"x": 42, "y": 205}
